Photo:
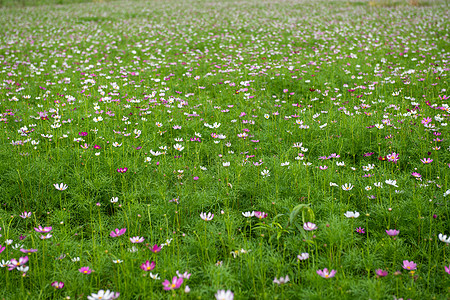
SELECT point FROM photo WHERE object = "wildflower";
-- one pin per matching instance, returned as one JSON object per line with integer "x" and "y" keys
{"x": 392, "y": 232}
{"x": 4, "y": 263}
{"x": 25, "y": 215}
{"x": 43, "y": 230}
{"x": 117, "y": 261}
{"x": 185, "y": 275}
{"x": 23, "y": 269}
{"x": 347, "y": 187}
{"x": 154, "y": 276}
{"x": 2, "y": 249}
{"x": 248, "y": 214}
{"x": 224, "y": 295}
{"x": 260, "y": 214}
{"x": 393, "y": 157}
{"x": 75, "y": 259}
{"x": 409, "y": 265}
{"x": 116, "y": 144}
{"x": 60, "y": 187}
{"x": 325, "y": 274}
{"x": 85, "y": 270}
{"x": 206, "y": 217}
{"x": 147, "y": 266}
{"x": 444, "y": 238}
{"x": 14, "y": 263}
{"x": 114, "y": 199}
{"x": 303, "y": 256}
{"x": 360, "y": 230}
{"x": 426, "y": 160}
{"x": 58, "y": 285}
{"x": 155, "y": 248}
{"x": 178, "y": 147}
{"x": 378, "y": 184}
{"x": 381, "y": 273}
{"x": 308, "y": 226}
{"x": 104, "y": 295}
{"x": 117, "y": 232}
{"x": 265, "y": 173}
{"x": 176, "y": 283}
{"x": 391, "y": 182}
{"x": 351, "y": 214}
{"x": 281, "y": 280}
{"x": 136, "y": 239}
{"x": 187, "y": 289}
{"x": 447, "y": 269}
{"x": 122, "y": 170}
{"x": 226, "y": 164}
{"x": 24, "y": 250}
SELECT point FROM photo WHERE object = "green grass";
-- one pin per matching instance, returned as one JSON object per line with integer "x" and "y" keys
{"x": 88, "y": 89}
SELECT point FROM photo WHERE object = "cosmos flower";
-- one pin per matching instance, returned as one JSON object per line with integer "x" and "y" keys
{"x": 206, "y": 217}
{"x": 104, "y": 295}
{"x": 360, "y": 230}
{"x": 381, "y": 273}
{"x": 347, "y": 187}
{"x": 308, "y": 226}
{"x": 224, "y": 295}
{"x": 155, "y": 248}
{"x": 392, "y": 232}
{"x": 41, "y": 229}
{"x": 352, "y": 215}
{"x": 14, "y": 263}
{"x": 85, "y": 270}
{"x": 303, "y": 256}
{"x": 122, "y": 170}
{"x": 248, "y": 214}
{"x": 25, "y": 215}
{"x": 260, "y": 214}
{"x": 58, "y": 285}
{"x": 444, "y": 238}
{"x": 147, "y": 266}
{"x": 176, "y": 283}
{"x": 60, "y": 187}
{"x": 426, "y": 160}
{"x": 325, "y": 274}
{"x": 391, "y": 182}
{"x": 185, "y": 275}
{"x": 117, "y": 232}
{"x": 409, "y": 265}
{"x": 136, "y": 239}
{"x": 281, "y": 280}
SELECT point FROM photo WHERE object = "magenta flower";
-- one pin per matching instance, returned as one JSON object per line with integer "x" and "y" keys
{"x": 426, "y": 160}
{"x": 82, "y": 133}
{"x": 447, "y": 269}
{"x": 393, "y": 157}
{"x": 97, "y": 147}
{"x": 1, "y": 249}
{"x": 409, "y": 265}
{"x": 360, "y": 230}
{"x": 27, "y": 250}
{"x": 58, "y": 285}
{"x": 176, "y": 283}
{"x": 148, "y": 266}
{"x": 325, "y": 274}
{"x": 117, "y": 232}
{"x": 260, "y": 214}
{"x": 43, "y": 230}
{"x": 392, "y": 232}
{"x": 308, "y": 226}
{"x": 381, "y": 273}
{"x": 155, "y": 248}
{"x": 416, "y": 175}
{"x": 122, "y": 170}
{"x": 85, "y": 270}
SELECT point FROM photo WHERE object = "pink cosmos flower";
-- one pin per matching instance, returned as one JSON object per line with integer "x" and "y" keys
{"x": 260, "y": 214}
{"x": 147, "y": 266}
{"x": 392, "y": 232}
{"x": 360, "y": 230}
{"x": 25, "y": 215}
{"x": 308, "y": 226}
{"x": 447, "y": 269}
{"x": 43, "y": 230}
{"x": 185, "y": 275}
{"x": 381, "y": 273}
{"x": 303, "y": 256}
{"x": 85, "y": 270}
{"x": 58, "y": 285}
{"x": 1, "y": 249}
{"x": 409, "y": 265}
{"x": 393, "y": 157}
{"x": 27, "y": 250}
{"x": 176, "y": 283}
{"x": 122, "y": 170}
{"x": 325, "y": 274}
{"x": 155, "y": 248}
{"x": 17, "y": 263}
{"x": 117, "y": 232}
{"x": 426, "y": 160}
{"x": 281, "y": 280}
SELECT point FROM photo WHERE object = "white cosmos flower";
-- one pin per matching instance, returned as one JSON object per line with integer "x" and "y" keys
{"x": 178, "y": 147}
{"x": 391, "y": 182}
{"x": 351, "y": 214}
{"x": 248, "y": 214}
{"x": 226, "y": 164}
{"x": 60, "y": 187}
{"x": 444, "y": 238}
{"x": 347, "y": 187}
{"x": 103, "y": 295}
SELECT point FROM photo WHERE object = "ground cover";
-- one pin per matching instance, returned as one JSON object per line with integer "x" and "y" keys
{"x": 246, "y": 149}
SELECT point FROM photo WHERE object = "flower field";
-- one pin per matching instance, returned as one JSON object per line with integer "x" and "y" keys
{"x": 224, "y": 150}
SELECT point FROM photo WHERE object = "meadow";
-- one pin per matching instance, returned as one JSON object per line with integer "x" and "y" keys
{"x": 224, "y": 150}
